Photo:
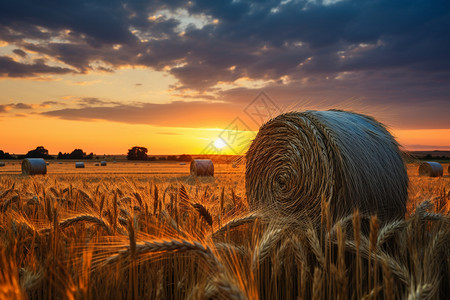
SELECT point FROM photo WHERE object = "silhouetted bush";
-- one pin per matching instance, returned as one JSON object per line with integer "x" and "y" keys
{"x": 5, "y": 155}
{"x": 137, "y": 153}
{"x": 39, "y": 152}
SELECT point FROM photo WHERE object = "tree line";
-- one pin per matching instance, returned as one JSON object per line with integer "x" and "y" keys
{"x": 41, "y": 152}
{"x": 140, "y": 153}
{"x": 134, "y": 153}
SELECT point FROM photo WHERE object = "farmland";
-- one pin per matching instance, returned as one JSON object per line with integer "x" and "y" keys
{"x": 149, "y": 230}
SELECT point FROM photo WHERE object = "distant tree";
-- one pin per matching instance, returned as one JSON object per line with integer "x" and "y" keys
{"x": 77, "y": 154}
{"x": 62, "y": 155}
{"x": 4, "y": 155}
{"x": 137, "y": 153}
{"x": 171, "y": 157}
{"x": 39, "y": 152}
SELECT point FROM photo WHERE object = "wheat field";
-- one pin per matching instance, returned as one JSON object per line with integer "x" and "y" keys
{"x": 150, "y": 231}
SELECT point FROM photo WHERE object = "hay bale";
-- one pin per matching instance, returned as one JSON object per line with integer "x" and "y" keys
{"x": 103, "y": 163}
{"x": 431, "y": 169}
{"x": 33, "y": 166}
{"x": 79, "y": 165}
{"x": 2, "y": 163}
{"x": 202, "y": 167}
{"x": 351, "y": 160}
{"x": 97, "y": 165}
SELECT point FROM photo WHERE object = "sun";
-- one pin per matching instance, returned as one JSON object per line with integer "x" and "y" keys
{"x": 219, "y": 143}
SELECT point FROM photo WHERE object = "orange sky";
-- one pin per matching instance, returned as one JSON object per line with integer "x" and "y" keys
{"x": 22, "y": 133}
{"x": 24, "y": 128}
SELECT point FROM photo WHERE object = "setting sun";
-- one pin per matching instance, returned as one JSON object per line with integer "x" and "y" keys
{"x": 219, "y": 143}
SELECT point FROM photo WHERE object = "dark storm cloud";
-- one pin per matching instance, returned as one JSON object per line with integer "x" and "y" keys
{"x": 11, "y": 68}
{"x": 19, "y": 52}
{"x": 100, "y": 20}
{"x": 264, "y": 39}
{"x": 383, "y": 51}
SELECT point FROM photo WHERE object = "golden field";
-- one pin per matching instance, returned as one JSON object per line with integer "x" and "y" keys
{"x": 150, "y": 231}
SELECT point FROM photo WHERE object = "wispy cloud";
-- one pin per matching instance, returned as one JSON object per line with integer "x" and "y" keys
{"x": 175, "y": 114}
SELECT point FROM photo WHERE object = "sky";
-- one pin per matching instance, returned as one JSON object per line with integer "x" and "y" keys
{"x": 194, "y": 76}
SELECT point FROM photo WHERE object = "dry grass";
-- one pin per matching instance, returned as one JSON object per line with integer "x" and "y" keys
{"x": 142, "y": 237}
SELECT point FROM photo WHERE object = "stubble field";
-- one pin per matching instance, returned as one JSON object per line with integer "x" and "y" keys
{"x": 151, "y": 231}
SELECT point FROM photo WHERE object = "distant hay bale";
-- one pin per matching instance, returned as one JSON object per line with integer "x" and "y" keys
{"x": 34, "y": 166}
{"x": 103, "y": 163}
{"x": 431, "y": 169}
{"x": 182, "y": 164}
{"x": 79, "y": 165}
{"x": 351, "y": 160}
{"x": 2, "y": 163}
{"x": 97, "y": 165}
{"x": 202, "y": 167}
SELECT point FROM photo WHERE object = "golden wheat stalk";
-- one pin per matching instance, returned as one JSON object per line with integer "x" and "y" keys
{"x": 81, "y": 219}
{"x": 5, "y": 193}
{"x": 394, "y": 265}
{"x": 149, "y": 247}
{"x": 316, "y": 248}
{"x": 4, "y": 206}
{"x": 204, "y": 213}
{"x": 236, "y": 223}
{"x": 389, "y": 230}
{"x": 267, "y": 243}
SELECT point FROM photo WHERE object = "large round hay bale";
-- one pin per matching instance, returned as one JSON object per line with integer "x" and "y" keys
{"x": 431, "y": 169}
{"x": 33, "y": 166}
{"x": 103, "y": 163}
{"x": 202, "y": 167}
{"x": 351, "y": 160}
{"x": 79, "y": 165}
{"x": 2, "y": 164}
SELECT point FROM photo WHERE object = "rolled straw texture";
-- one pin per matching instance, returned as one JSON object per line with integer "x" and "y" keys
{"x": 33, "y": 166}
{"x": 202, "y": 167}
{"x": 351, "y": 160}
{"x": 431, "y": 169}
{"x": 79, "y": 165}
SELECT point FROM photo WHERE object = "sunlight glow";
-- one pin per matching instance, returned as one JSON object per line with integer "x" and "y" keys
{"x": 219, "y": 143}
